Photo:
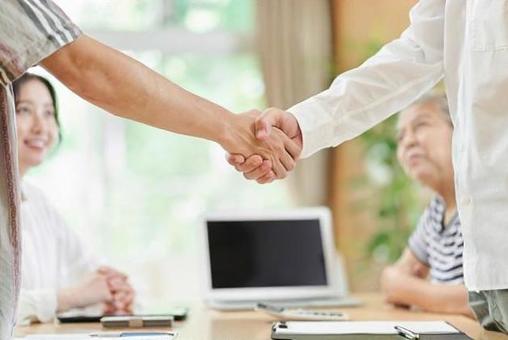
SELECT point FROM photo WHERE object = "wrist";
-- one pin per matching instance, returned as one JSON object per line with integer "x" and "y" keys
{"x": 65, "y": 299}
{"x": 227, "y": 130}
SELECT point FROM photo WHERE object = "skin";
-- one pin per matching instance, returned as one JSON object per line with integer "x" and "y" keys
{"x": 253, "y": 167}
{"x": 37, "y": 132}
{"x": 423, "y": 130}
{"x": 94, "y": 72}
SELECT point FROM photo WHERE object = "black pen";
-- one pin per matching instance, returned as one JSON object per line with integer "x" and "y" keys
{"x": 406, "y": 333}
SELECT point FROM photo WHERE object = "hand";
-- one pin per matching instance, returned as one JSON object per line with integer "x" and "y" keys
{"x": 92, "y": 289}
{"x": 254, "y": 167}
{"x": 275, "y": 147}
{"x": 121, "y": 290}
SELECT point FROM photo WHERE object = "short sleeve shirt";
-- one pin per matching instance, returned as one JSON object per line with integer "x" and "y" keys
{"x": 30, "y": 30}
{"x": 439, "y": 246}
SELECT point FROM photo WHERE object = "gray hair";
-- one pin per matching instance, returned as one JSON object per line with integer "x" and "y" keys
{"x": 439, "y": 99}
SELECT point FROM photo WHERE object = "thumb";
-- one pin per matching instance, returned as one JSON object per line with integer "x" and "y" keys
{"x": 265, "y": 122}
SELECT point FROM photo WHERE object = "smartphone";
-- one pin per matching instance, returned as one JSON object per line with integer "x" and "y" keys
{"x": 137, "y": 321}
{"x": 178, "y": 314}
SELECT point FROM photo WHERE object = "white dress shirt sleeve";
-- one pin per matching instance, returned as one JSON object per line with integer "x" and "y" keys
{"x": 77, "y": 259}
{"x": 37, "y": 305}
{"x": 398, "y": 74}
{"x": 58, "y": 258}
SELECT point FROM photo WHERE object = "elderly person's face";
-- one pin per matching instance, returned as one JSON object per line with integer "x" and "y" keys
{"x": 424, "y": 143}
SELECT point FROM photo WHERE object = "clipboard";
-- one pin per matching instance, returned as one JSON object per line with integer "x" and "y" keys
{"x": 358, "y": 330}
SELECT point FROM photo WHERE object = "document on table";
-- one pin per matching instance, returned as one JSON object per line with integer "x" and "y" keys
{"x": 365, "y": 327}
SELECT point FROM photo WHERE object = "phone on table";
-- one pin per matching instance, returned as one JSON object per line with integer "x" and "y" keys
{"x": 178, "y": 314}
{"x": 137, "y": 321}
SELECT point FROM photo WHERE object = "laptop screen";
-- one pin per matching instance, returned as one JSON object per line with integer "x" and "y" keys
{"x": 265, "y": 253}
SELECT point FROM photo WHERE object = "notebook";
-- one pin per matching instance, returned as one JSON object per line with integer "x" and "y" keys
{"x": 353, "y": 330}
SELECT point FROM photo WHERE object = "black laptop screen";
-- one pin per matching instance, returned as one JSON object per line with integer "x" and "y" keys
{"x": 266, "y": 253}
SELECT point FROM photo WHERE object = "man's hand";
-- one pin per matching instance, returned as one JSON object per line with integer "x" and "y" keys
{"x": 271, "y": 120}
{"x": 275, "y": 151}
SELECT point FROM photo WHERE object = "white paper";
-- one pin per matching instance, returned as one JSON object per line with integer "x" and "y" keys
{"x": 365, "y": 327}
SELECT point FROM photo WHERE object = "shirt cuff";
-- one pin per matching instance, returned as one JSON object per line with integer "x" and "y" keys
{"x": 316, "y": 124}
{"x": 37, "y": 305}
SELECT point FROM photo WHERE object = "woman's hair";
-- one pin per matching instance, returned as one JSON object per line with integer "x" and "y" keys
{"x": 25, "y": 78}
{"x": 438, "y": 98}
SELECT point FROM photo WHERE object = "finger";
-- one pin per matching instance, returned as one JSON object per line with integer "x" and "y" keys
{"x": 293, "y": 148}
{"x": 264, "y": 123}
{"x": 278, "y": 168}
{"x": 260, "y": 171}
{"x": 119, "y": 286}
{"x": 287, "y": 161}
{"x": 111, "y": 273}
{"x": 108, "y": 297}
{"x": 252, "y": 163}
{"x": 235, "y": 159}
{"x": 267, "y": 178}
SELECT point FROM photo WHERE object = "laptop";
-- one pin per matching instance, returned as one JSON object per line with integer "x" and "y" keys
{"x": 285, "y": 258}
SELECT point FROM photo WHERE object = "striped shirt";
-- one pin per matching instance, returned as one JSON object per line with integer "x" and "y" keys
{"x": 439, "y": 246}
{"x": 30, "y": 30}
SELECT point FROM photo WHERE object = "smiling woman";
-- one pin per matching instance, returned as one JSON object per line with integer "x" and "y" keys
{"x": 37, "y": 120}
{"x": 58, "y": 273}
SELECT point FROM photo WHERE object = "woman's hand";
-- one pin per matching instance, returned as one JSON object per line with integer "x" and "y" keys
{"x": 121, "y": 290}
{"x": 92, "y": 289}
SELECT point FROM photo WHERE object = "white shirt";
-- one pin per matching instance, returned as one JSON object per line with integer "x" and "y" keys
{"x": 466, "y": 41}
{"x": 53, "y": 257}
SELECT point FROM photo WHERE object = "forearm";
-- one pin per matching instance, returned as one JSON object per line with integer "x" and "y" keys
{"x": 441, "y": 298}
{"x": 127, "y": 88}
{"x": 436, "y": 298}
{"x": 389, "y": 81}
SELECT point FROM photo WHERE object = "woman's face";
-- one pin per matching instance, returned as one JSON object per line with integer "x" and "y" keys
{"x": 36, "y": 125}
{"x": 424, "y": 144}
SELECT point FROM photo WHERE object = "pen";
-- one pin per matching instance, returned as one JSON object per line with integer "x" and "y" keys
{"x": 127, "y": 334}
{"x": 406, "y": 333}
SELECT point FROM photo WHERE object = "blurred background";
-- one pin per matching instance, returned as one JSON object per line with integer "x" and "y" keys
{"x": 137, "y": 194}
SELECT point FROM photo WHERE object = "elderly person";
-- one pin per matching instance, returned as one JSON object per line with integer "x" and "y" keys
{"x": 429, "y": 273}
{"x": 464, "y": 42}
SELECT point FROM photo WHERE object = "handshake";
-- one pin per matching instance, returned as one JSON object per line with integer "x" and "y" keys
{"x": 264, "y": 146}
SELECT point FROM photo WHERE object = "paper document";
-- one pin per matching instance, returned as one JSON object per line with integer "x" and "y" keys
{"x": 366, "y": 327}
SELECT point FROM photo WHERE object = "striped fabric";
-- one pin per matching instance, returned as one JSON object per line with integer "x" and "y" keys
{"x": 439, "y": 246}
{"x": 30, "y": 30}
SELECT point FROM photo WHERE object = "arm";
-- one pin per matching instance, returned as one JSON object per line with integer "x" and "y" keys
{"x": 84, "y": 283}
{"x": 127, "y": 88}
{"x": 405, "y": 283}
{"x": 398, "y": 74}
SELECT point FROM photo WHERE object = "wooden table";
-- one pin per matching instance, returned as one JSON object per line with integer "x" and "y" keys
{"x": 206, "y": 324}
